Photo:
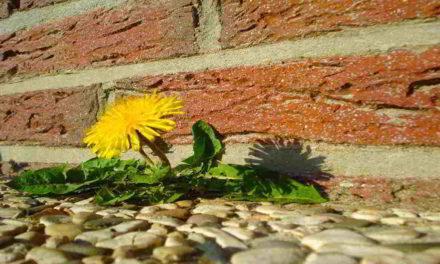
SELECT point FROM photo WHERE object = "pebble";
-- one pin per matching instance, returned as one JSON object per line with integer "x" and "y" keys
{"x": 81, "y": 218}
{"x": 268, "y": 242}
{"x": 63, "y": 230}
{"x": 240, "y": 233}
{"x": 102, "y": 223}
{"x": 179, "y": 213}
{"x": 222, "y": 238}
{"x": 273, "y": 256}
{"x": 138, "y": 239}
{"x": 11, "y": 230}
{"x": 392, "y": 235}
{"x": 393, "y": 221}
{"x": 88, "y": 208}
{"x": 32, "y": 237}
{"x": 168, "y": 206}
{"x": 95, "y": 236}
{"x": 203, "y": 219}
{"x": 270, "y": 209}
{"x": 318, "y": 240}
{"x": 329, "y": 258}
{"x": 134, "y": 225}
{"x": 149, "y": 209}
{"x": 55, "y": 219}
{"x": 158, "y": 229}
{"x": 404, "y": 213}
{"x": 83, "y": 249}
{"x": 369, "y": 215}
{"x": 184, "y": 203}
{"x": 47, "y": 255}
{"x": 204, "y": 208}
{"x": 163, "y": 220}
{"x": 96, "y": 260}
{"x": 174, "y": 253}
{"x": 432, "y": 216}
{"x": 10, "y": 213}
{"x": 358, "y": 250}
{"x": 13, "y": 252}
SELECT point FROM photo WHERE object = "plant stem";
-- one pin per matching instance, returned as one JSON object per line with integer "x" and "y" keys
{"x": 144, "y": 141}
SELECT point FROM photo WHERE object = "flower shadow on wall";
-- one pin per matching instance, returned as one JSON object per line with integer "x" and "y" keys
{"x": 292, "y": 158}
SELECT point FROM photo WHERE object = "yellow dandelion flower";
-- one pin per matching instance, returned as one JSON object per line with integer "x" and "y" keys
{"x": 118, "y": 129}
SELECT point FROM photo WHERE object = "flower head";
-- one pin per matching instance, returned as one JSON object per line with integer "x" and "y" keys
{"x": 118, "y": 129}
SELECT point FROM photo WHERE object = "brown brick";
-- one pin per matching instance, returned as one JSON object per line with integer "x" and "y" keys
{"x": 247, "y": 22}
{"x": 51, "y": 117}
{"x": 132, "y": 33}
{"x": 381, "y": 99}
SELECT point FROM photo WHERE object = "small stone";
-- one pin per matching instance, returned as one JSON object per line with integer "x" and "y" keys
{"x": 102, "y": 223}
{"x": 185, "y": 203}
{"x": 175, "y": 253}
{"x": 138, "y": 239}
{"x": 270, "y": 209}
{"x": 385, "y": 259}
{"x": 163, "y": 220}
{"x": 11, "y": 230}
{"x": 358, "y": 250}
{"x": 47, "y": 255}
{"x": 95, "y": 236}
{"x": 197, "y": 238}
{"x": 204, "y": 208}
{"x": 88, "y": 208}
{"x": 266, "y": 242}
{"x": 369, "y": 215}
{"x": 244, "y": 214}
{"x": 167, "y": 206}
{"x": 432, "y": 216}
{"x": 55, "y": 242}
{"x": 329, "y": 258}
{"x": 272, "y": 256}
{"x": 149, "y": 209}
{"x": 82, "y": 217}
{"x": 32, "y": 237}
{"x": 83, "y": 249}
{"x": 234, "y": 223}
{"x": 158, "y": 229}
{"x": 10, "y": 212}
{"x": 392, "y": 235}
{"x": 348, "y": 222}
{"x": 134, "y": 225}
{"x": 63, "y": 230}
{"x": 5, "y": 240}
{"x": 222, "y": 238}
{"x": 240, "y": 233}
{"x": 203, "y": 219}
{"x": 177, "y": 213}
{"x": 185, "y": 228}
{"x": 55, "y": 219}
{"x": 404, "y": 213}
{"x": 316, "y": 241}
{"x": 13, "y": 252}
{"x": 96, "y": 260}
{"x": 393, "y": 221}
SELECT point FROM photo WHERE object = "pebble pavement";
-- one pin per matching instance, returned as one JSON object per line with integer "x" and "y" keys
{"x": 75, "y": 230}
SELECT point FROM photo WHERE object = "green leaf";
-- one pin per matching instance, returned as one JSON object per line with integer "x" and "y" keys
{"x": 152, "y": 174}
{"x": 46, "y": 181}
{"x": 111, "y": 197}
{"x": 207, "y": 146}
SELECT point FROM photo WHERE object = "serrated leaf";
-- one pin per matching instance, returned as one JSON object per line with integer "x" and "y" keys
{"x": 46, "y": 181}
{"x": 111, "y": 197}
{"x": 151, "y": 175}
{"x": 207, "y": 146}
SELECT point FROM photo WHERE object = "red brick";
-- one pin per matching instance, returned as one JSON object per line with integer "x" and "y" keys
{"x": 50, "y": 117}
{"x": 381, "y": 99}
{"x": 247, "y": 22}
{"x": 132, "y": 33}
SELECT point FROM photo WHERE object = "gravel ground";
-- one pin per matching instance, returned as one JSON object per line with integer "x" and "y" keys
{"x": 75, "y": 230}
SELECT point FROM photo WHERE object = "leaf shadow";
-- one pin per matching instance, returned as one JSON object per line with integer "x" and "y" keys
{"x": 292, "y": 158}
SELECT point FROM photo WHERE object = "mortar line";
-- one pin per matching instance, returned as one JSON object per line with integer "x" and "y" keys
{"x": 339, "y": 160}
{"x": 33, "y": 17}
{"x": 360, "y": 41}
{"x": 209, "y": 29}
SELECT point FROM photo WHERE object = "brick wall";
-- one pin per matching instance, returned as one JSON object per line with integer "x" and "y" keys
{"x": 349, "y": 74}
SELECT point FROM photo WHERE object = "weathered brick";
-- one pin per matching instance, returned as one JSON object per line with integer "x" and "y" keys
{"x": 247, "y": 22}
{"x": 50, "y": 117}
{"x": 139, "y": 31}
{"x": 376, "y": 99}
